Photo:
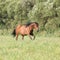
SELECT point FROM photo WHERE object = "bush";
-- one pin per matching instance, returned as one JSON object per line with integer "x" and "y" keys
{"x": 45, "y": 12}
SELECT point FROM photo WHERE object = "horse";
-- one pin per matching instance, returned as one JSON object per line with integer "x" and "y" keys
{"x": 26, "y": 29}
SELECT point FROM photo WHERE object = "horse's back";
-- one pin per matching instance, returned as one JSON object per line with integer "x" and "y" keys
{"x": 18, "y": 26}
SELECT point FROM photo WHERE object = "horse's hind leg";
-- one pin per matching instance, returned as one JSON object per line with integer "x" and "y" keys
{"x": 17, "y": 37}
{"x": 22, "y": 37}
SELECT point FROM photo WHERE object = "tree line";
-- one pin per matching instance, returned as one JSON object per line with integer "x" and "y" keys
{"x": 45, "y": 12}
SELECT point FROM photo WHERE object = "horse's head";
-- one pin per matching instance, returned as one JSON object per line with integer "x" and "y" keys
{"x": 35, "y": 25}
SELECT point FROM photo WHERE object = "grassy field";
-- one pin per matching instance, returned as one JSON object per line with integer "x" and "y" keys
{"x": 42, "y": 48}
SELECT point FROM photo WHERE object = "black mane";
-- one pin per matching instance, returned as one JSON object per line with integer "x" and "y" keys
{"x": 27, "y": 24}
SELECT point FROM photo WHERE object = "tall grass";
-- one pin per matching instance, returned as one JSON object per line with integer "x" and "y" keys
{"x": 42, "y": 48}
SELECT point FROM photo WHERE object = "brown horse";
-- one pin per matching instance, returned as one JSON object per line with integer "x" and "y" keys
{"x": 26, "y": 29}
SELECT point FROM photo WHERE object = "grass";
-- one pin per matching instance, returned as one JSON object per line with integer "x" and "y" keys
{"x": 42, "y": 48}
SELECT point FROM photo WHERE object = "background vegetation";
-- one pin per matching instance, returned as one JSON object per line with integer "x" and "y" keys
{"x": 45, "y": 12}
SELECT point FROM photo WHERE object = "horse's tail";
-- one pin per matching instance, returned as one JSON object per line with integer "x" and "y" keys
{"x": 14, "y": 32}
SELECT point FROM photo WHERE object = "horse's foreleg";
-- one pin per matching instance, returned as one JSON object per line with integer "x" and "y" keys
{"x": 34, "y": 36}
{"x": 30, "y": 37}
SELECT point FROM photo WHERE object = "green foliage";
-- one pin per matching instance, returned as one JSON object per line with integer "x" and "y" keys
{"x": 45, "y": 12}
{"x": 51, "y": 26}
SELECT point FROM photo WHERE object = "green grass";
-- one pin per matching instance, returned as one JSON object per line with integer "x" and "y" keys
{"x": 42, "y": 48}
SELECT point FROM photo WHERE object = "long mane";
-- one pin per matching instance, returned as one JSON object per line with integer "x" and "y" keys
{"x": 29, "y": 23}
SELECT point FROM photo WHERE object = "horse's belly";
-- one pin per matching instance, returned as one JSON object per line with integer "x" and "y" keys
{"x": 24, "y": 31}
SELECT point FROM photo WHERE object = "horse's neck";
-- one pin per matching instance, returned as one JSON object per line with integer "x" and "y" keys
{"x": 31, "y": 27}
